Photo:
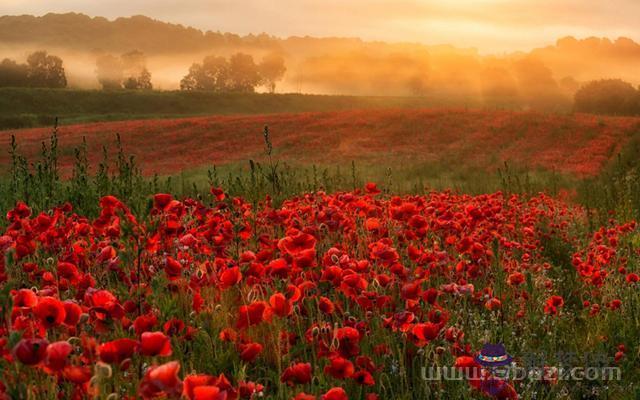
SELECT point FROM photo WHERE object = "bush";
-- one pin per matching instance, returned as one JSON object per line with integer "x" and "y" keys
{"x": 608, "y": 96}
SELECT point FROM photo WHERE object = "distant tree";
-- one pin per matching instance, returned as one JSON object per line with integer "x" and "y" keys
{"x": 212, "y": 74}
{"x": 498, "y": 87}
{"x": 569, "y": 84}
{"x": 608, "y": 96}
{"x": 536, "y": 85}
{"x": 417, "y": 85}
{"x": 136, "y": 74}
{"x": 109, "y": 71}
{"x": 271, "y": 70}
{"x": 144, "y": 80}
{"x": 217, "y": 73}
{"x": 128, "y": 71}
{"x": 13, "y": 74}
{"x": 239, "y": 74}
{"x": 243, "y": 73}
{"x": 133, "y": 62}
{"x": 44, "y": 70}
{"x": 140, "y": 82}
{"x": 191, "y": 80}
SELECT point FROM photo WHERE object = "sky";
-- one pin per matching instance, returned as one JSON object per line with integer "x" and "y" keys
{"x": 491, "y": 26}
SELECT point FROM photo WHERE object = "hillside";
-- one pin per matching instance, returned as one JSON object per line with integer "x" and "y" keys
{"x": 578, "y": 145}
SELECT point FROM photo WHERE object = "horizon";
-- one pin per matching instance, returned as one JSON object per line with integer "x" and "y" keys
{"x": 505, "y": 30}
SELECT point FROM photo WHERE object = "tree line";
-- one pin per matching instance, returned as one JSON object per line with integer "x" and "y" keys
{"x": 239, "y": 73}
{"x": 40, "y": 70}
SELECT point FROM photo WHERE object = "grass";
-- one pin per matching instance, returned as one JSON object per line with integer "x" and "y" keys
{"x": 30, "y": 107}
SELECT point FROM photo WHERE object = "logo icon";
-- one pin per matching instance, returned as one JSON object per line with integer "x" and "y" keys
{"x": 493, "y": 355}
{"x": 493, "y": 358}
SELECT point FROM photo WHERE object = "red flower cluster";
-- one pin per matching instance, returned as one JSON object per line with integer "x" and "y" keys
{"x": 320, "y": 289}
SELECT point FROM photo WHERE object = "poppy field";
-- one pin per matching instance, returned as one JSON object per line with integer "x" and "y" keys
{"x": 281, "y": 282}
{"x": 332, "y": 296}
{"x": 577, "y": 145}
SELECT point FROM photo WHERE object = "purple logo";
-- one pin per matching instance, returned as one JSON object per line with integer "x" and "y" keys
{"x": 491, "y": 358}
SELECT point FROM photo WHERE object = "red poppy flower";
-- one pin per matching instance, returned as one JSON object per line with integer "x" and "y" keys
{"x": 348, "y": 339}
{"x": 155, "y": 344}
{"x": 373, "y": 224}
{"x": 516, "y": 279}
{"x": 73, "y": 312}
{"x": 118, "y": 350}
{"x": 326, "y": 305}
{"x": 50, "y": 312}
{"x": 371, "y": 188}
{"x": 364, "y": 377}
{"x": 30, "y": 351}
{"x": 25, "y": 298}
{"x": 299, "y": 373}
{"x": 382, "y": 252}
{"x": 193, "y": 381}
{"x": 161, "y": 200}
{"x": 470, "y": 368}
{"x": 253, "y": 314}
{"x": 209, "y": 393}
{"x": 296, "y": 242}
{"x": 280, "y": 305}
{"x": 336, "y": 393}
{"x": 230, "y": 277}
{"x": 77, "y": 374}
{"x": 423, "y": 333}
{"x": 250, "y": 351}
{"x": 493, "y": 304}
{"x": 144, "y": 323}
{"x": 339, "y": 368}
{"x": 161, "y": 381}
{"x": 58, "y": 355}
{"x": 104, "y": 304}
{"x": 173, "y": 268}
{"x": 218, "y": 193}
{"x": 552, "y": 304}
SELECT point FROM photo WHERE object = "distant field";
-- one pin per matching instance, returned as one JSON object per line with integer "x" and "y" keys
{"x": 578, "y": 145}
{"x": 28, "y": 108}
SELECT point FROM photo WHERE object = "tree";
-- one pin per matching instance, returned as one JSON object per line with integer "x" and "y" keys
{"x": 271, "y": 70}
{"x": 239, "y": 74}
{"x": 191, "y": 80}
{"x": 417, "y": 85}
{"x": 497, "y": 87}
{"x": 109, "y": 71}
{"x": 44, "y": 70}
{"x": 217, "y": 73}
{"x": 137, "y": 76}
{"x": 141, "y": 82}
{"x": 212, "y": 74}
{"x": 243, "y": 73}
{"x": 608, "y": 96}
{"x": 144, "y": 80}
{"x": 133, "y": 62}
{"x": 537, "y": 88}
{"x": 128, "y": 71}
{"x": 13, "y": 74}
